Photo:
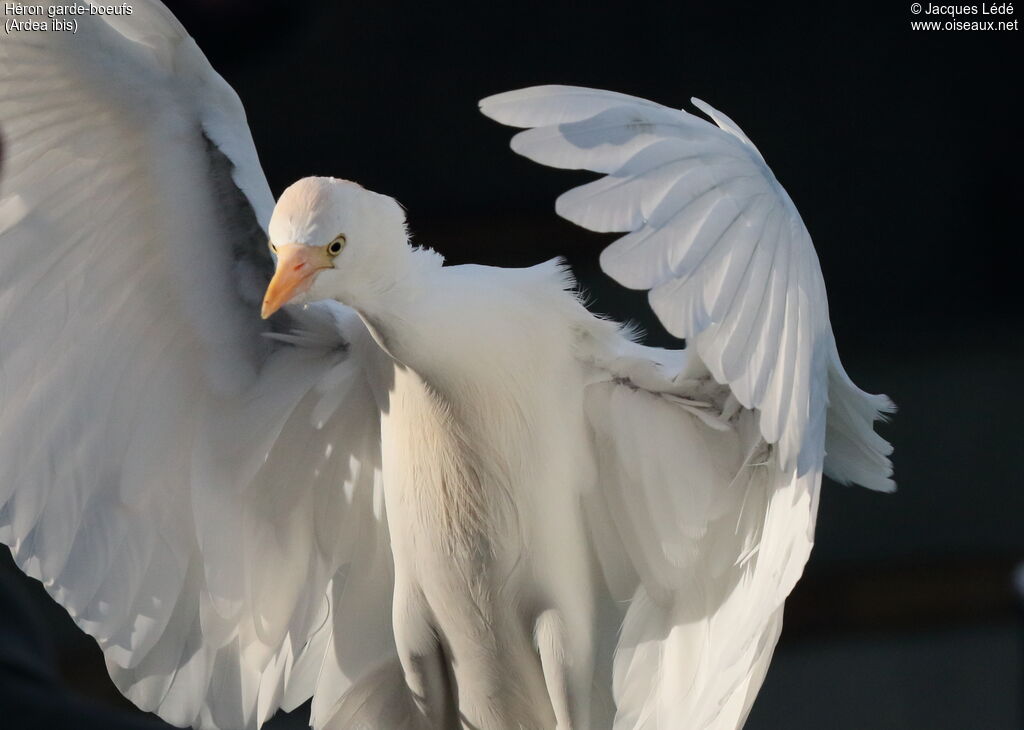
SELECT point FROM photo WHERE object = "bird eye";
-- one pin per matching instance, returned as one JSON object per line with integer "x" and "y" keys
{"x": 335, "y": 246}
{"x": 273, "y": 248}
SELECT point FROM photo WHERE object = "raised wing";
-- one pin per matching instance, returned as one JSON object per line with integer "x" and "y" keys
{"x": 200, "y": 493}
{"x": 709, "y": 470}
{"x": 722, "y": 248}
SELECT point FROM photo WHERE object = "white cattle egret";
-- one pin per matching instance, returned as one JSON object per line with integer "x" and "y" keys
{"x": 425, "y": 496}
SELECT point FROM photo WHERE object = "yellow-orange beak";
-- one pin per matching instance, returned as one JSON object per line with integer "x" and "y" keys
{"x": 296, "y": 265}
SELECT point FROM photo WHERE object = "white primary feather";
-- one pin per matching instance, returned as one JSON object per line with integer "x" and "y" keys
{"x": 717, "y": 525}
{"x": 170, "y": 473}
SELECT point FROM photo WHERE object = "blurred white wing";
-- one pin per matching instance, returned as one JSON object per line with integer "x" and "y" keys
{"x": 713, "y": 504}
{"x": 202, "y": 498}
{"x": 700, "y": 535}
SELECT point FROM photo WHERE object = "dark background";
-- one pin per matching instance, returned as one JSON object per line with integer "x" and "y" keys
{"x": 901, "y": 149}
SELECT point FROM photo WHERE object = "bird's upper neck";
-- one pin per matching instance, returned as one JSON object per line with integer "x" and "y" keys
{"x": 398, "y": 311}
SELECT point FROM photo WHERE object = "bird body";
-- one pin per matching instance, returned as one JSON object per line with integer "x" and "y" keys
{"x": 484, "y": 479}
{"x": 468, "y": 502}
{"x": 285, "y": 455}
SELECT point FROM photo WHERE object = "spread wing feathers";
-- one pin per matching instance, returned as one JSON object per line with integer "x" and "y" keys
{"x": 728, "y": 261}
{"x": 202, "y": 498}
{"x": 713, "y": 504}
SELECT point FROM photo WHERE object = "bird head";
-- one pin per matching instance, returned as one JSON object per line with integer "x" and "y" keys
{"x": 333, "y": 239}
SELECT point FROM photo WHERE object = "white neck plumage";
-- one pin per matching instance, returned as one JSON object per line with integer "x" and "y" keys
{"x": 393, "y": 309}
